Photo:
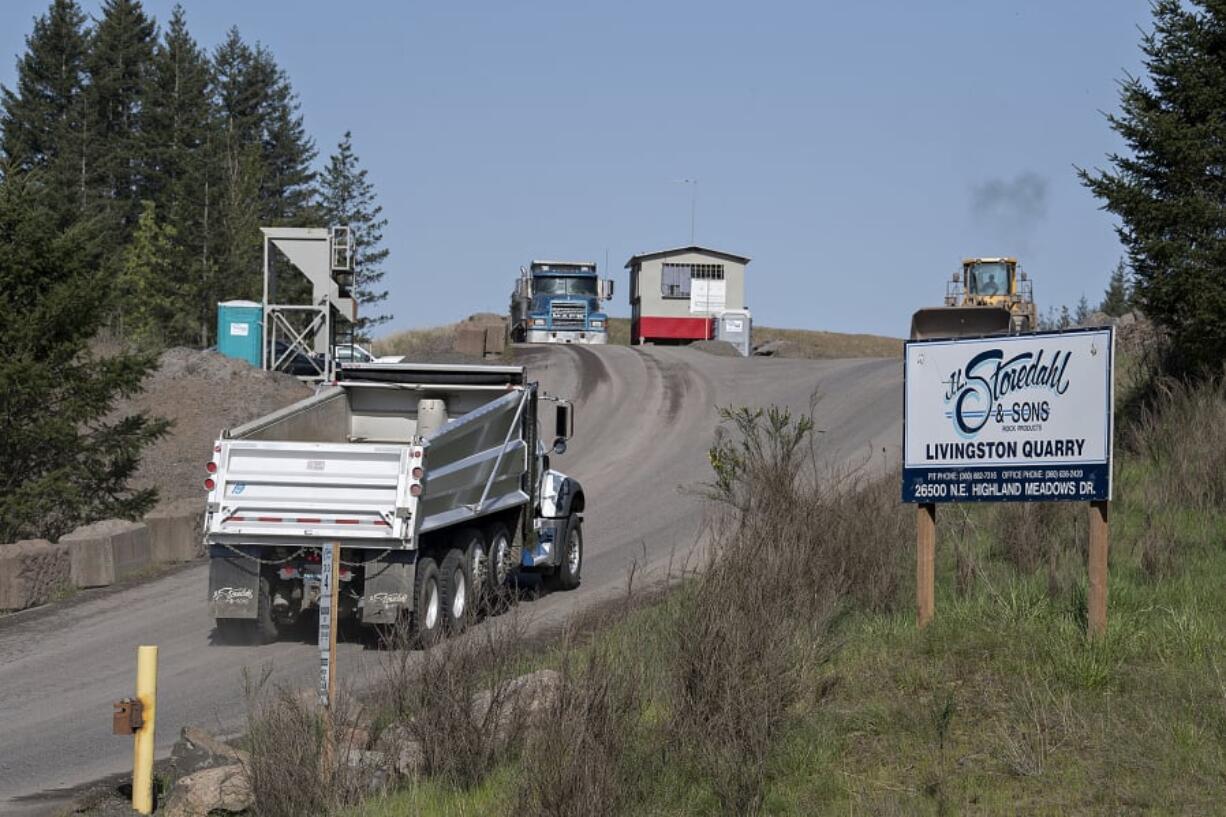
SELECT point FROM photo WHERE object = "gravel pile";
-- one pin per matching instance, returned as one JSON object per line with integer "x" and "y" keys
{"x": 202, "y": 392}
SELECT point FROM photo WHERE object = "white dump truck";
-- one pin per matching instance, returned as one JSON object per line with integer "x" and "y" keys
{"x": 433, "y": 479}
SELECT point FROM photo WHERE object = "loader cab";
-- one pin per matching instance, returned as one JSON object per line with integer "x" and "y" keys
{"x": 990, "y": 277}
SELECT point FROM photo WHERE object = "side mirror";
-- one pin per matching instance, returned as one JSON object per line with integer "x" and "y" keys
{"x": 606, "y": 289}
{"x": 564, "y": 422}
{"x": 957, "y": 277}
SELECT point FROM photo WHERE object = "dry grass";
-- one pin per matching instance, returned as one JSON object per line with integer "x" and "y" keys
{"x": 435, "y": 344}
{"x": 816, "y": 344}
{"x": 290, "y": 770}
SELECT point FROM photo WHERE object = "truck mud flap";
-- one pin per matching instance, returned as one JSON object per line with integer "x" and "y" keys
{"x": 234, "y": 584}
{"x": 389, "y": 588}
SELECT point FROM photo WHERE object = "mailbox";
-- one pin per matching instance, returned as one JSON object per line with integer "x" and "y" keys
{"x": 129, "y": 716}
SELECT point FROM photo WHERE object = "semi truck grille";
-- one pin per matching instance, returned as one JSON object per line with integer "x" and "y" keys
{"x": 567, "y": 315}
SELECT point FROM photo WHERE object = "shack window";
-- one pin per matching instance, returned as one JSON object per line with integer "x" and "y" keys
{"x": 675, "y": 278}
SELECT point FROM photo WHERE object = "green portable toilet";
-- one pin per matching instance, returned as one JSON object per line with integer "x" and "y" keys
{"x": 240, "y": 333}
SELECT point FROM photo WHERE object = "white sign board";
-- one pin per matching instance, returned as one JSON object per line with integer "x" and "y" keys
{"x": 707, "y": 296}
{"x": 238, "y": 330}
{"x": 1022, "y": 418}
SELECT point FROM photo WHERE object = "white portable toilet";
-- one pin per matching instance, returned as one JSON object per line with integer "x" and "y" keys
{"x": 735, "y": 326}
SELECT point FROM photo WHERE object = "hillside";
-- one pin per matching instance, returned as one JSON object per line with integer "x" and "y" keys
{"x": 437, "y": 343}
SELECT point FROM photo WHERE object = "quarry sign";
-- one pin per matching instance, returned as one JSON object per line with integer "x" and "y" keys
{"x": 1018, "y": 418}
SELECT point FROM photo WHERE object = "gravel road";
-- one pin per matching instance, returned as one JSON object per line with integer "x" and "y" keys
{"x": 644, "y": 421}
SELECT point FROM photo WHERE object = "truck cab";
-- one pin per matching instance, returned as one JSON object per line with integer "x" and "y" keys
{"x": 560, "y": 302}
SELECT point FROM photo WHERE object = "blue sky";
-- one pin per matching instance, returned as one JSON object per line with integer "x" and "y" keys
{"x": 855, "y": 151}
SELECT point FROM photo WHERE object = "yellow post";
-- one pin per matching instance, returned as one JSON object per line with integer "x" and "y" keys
{"x": 146, "y": 693}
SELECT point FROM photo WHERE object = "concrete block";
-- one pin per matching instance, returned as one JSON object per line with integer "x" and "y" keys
{"x": 32, "y": 572}
{"x": 105, "y": 552}
{"x": 495, "y": 339}
{"x": 470, "y": 339}
{"x": 175, "y": 531}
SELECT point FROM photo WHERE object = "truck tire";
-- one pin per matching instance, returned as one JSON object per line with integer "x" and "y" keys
{"x": 251, "y": 631}
{"x": 477, "y": 556}
{"x": 501, "y": 566}
{"x": 566, "y": 575}
{"x": 427, "y": 602}
{"x": 457, "y": 590}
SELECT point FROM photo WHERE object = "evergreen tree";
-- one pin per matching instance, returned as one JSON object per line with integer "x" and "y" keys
{"x": 1082, "y": 313}
{"x": 347, "y": 197}
{"x": 43, "y": 122}
{"x": 1065, "y": 320}
{"x": 288, "y": 188}
{"x": 1117, "y": 299}
{"x": 62, "y": 463}
{"x": 266, "y": 157}
{"x": 153, "y": 290}
{"x": 120, "y": 66}
{"x": 183, "y": 172}
{"x": 1170, "y": 193}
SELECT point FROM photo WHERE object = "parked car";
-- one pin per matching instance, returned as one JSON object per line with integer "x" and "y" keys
{"x": 353, "y": 353}
{"x": 297, "y": 362}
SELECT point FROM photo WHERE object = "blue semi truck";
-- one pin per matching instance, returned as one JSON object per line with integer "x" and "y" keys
{"x": 560, "y": 302}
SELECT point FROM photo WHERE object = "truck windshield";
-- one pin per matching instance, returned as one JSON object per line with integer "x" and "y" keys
{"x": 551, "y": 285}
{"x": 989, "y": 279}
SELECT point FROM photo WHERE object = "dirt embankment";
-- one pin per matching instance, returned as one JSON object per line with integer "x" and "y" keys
{"x": 202, "y": 392}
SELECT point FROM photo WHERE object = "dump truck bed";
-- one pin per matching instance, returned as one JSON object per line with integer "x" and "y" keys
{"x": 371, "y": 461}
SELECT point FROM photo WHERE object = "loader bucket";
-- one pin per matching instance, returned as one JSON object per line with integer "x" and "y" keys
{"x": 959, "y": 322}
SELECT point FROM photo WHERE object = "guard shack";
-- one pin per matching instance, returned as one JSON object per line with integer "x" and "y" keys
{"x": 676, "y": 295}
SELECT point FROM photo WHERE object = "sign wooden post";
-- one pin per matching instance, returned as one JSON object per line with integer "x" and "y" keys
{"x": 925, "y": 562}
{"x": 1096, "y": 614}
{"x": 329, "y": 597}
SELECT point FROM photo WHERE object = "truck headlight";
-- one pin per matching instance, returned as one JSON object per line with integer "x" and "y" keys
{"x": 538, "y": 321}
{"x": 598, "y": 324}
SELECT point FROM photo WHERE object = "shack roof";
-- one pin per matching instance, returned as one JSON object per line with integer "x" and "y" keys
{"x": 693, "y": 248}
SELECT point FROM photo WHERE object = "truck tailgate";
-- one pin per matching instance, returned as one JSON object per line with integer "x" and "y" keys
{"x": 283, "y": 491}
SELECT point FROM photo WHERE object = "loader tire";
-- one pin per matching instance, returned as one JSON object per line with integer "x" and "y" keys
{"x": 251, "y": 631}
{"x": 457, "y": 591}
{"x": 566, "y": 575}
{"x": 427, "y": 602}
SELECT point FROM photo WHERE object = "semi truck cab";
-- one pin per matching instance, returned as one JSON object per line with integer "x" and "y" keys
{"x": 560, "y": 302}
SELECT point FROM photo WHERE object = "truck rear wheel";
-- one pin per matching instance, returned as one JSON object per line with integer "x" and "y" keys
{"x": 457, "y": 591}
{"x": 498, "y": 539}
{"x": 251, "y": 631}
{"x": 566, "y": 575}
{"x": 427, "y": 602}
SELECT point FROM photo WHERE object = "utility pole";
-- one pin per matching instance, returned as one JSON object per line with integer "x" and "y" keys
{"x": 693, "y": 183}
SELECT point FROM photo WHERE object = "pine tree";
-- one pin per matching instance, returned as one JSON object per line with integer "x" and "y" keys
{"x": 120, "y": 66}
{"x": 153, "y": 289}
{"x": 183, "y": 174}
{"x": 266, "y": 157}
{"x": 1169, "y": 192}
{"x": 1065, "y": 320}
{"x": 1082, "y": 313}
{"x": 347, "y": 197}
{"x": 1117, "y": 299}
{"x": 289, "y": 183}
{"x": 62, "y": 463}
{"x": 43, "y": 122}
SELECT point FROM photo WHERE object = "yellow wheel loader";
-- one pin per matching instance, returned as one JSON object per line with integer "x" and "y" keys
{"x": 989, "y": 296}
